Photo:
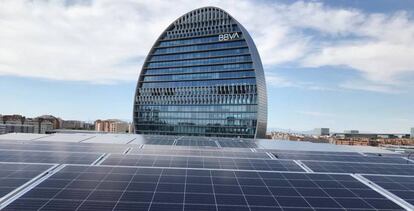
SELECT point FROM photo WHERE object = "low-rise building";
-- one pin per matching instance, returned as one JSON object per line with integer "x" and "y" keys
{"x": 16, "y": 128}
{"x": 2, "y": 129}
{"x": 73, "y": 124}
{"x": 112, "y": 126}
{"x": 40, "y": 125}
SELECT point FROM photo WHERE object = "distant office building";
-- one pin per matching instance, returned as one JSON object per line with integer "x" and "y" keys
{"x": 412, "y": 132}
{"x": 112, "y": 126}
{"x": 321, "y": 131}
{"x": 351, "y": 131}
{"x": 202, "y": 77}
{"x": 16, "y": 128}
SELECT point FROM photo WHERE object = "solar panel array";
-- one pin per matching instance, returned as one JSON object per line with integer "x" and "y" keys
{"x": 96, "y": 172}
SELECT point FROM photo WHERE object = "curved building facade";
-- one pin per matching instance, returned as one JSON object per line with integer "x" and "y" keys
{"x": 203, "y": 76}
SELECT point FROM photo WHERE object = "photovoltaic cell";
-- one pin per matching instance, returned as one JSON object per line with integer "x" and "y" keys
{"x": 201, "y": 162}
{"x": 328, "y": 157}
{"x": 117, "y": 188}
{"x": 13, "y": 175}
{"x": 47, "y": 157}
{"x": 361, "y": 168}
{"x": 403, "y": 187}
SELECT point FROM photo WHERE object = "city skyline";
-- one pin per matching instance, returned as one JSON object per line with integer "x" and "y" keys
{"x": 336, "y": 64}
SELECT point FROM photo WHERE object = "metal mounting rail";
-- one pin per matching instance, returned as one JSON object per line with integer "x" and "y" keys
{"x": 218, "y": 144}
{"x": 127, "y": 151}
{"x": 303, "y": 166}
{"x": 101, "y": 159}
{"x": 408, "y": 160}
{"x": 272, "y": 156}
{"x": 10, "y": 197}
{"x": 384, "y": 192}
{"x": 86, "y": 139}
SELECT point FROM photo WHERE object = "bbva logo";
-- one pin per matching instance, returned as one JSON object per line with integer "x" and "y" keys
{"x": 228, "y": 36}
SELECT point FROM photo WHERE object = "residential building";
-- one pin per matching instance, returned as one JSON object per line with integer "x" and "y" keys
{"x": 202, "y": 77}
{"x": 3, "y": 129}
{"x": 73, "y": 124}
{"x": 112, "y": 126}
{"x": 16, "y": 128}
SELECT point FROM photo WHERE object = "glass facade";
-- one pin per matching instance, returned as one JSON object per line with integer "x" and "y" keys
{"x": 202, "y": 77}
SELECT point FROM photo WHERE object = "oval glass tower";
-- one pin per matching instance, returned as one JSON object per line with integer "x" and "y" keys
{"x": 204, "y": 77}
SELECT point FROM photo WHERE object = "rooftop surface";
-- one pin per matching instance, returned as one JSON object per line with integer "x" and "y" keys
{"x": 139, "y": 172}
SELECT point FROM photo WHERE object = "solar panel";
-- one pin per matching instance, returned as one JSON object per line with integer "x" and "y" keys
{"x": 192, "y": 142}
{"x": 58, "y": 146}
{"x": 201, "y": 162}
{"x": 21, "y": 136}
{"x": 13, "y": 175}
{"x": 403, "y": 187}
{"x": 328, "y": 157}
{"x": 300, "y": 152}
{"x": 386, "y": 154}
{"x": 203, "y": 153}
{"x": 47, "y": 157}
{"x": 111, "y": 139}
{"x": 117, "y": 188}
{"x": 362, "y": 168}
{"x": 237, "y": 143}
{"x": 63, "y": 137}
{"x": 195, "y": 173}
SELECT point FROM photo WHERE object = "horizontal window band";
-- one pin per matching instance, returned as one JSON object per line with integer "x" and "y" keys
{"x": 201, "y": 58}
{"x": 198, "y": 51}
{"x": 207, "y": 79}
{"x": 188, "y": 73}
{"x": 200, "y": 65}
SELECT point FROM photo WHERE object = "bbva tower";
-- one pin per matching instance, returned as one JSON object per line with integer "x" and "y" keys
{"x": 203, "y": 76}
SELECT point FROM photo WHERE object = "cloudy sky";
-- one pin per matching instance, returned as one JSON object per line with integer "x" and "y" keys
{"x": 341, "y": 64}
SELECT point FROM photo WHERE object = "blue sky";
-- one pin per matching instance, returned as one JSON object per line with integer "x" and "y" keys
{"x": 338, "y": 64}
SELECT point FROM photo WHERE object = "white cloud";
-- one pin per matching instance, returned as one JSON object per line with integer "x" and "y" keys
{"x": 106, "y": 41}
{"x": 371, "y": 87}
